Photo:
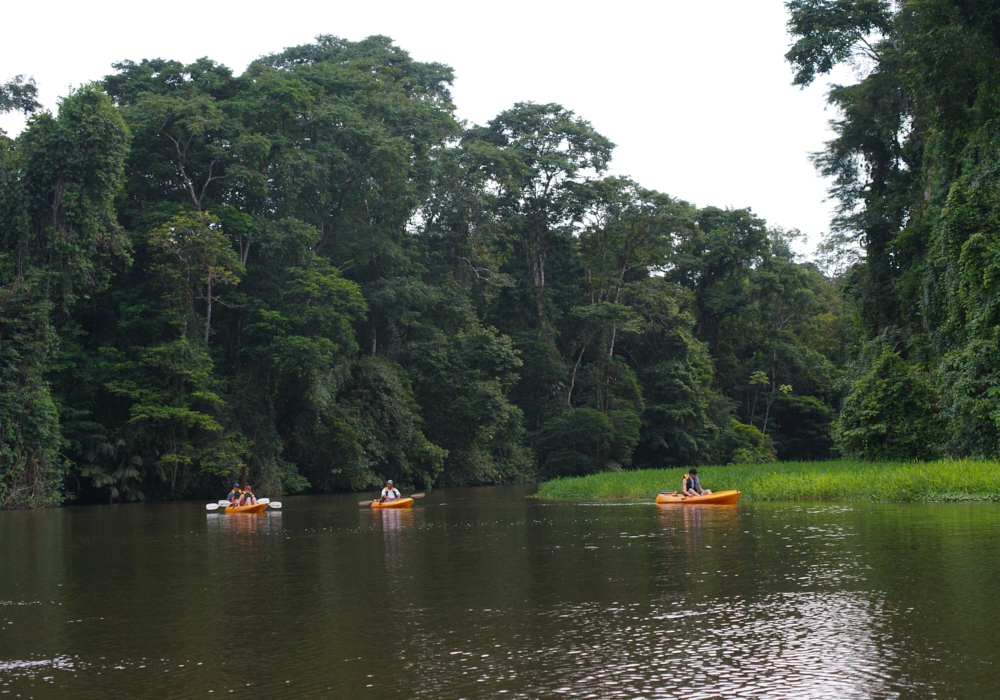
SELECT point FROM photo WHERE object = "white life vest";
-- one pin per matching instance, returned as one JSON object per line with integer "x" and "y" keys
{"x": 390, "y": 494}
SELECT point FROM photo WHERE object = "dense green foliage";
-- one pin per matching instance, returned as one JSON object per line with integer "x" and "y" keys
{"x": 914, "y": 164}
{"x": 889, "y": 413}
{"x": 944, "y": 480}
{"x": 312, "y": 276}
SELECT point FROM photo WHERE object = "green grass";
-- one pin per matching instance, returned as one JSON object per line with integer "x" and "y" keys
{"x": 944, "y": 480}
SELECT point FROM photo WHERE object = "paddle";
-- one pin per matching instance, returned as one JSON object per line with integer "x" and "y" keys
{"x": 368, "y": 503}
{"x": 274, "y": 504}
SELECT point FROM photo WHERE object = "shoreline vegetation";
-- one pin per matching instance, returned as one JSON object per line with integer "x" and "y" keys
{"x": 314, "y": 276}
{"x": 842, "y": 480}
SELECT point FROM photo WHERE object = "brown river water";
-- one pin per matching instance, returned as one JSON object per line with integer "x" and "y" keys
{"x": 485, "y": 593}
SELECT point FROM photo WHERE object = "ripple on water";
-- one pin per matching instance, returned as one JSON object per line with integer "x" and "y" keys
{"x": 791, "y": 645}
{"x": 32, "y": 668}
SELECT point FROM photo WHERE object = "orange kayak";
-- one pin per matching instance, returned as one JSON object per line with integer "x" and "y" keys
{"x": 719, "y": 498}
{"x": 257, "y": 509}
{"x": 397, "y": 503}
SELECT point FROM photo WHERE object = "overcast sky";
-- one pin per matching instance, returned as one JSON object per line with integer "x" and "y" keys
{"x": 695, "y": 93}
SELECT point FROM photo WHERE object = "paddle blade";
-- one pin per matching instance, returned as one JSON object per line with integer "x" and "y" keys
{"x": 274, "y": 504}
{"x": 211, "y": 506}
{"x": 364, "y": 503}
{"x": 223, "y": 504}
{"x": 418, "y": 495}
{"x": 263, "y": 500}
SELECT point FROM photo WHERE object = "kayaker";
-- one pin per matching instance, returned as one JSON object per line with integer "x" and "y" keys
{"x": 690, "y": 486}
{"x": 248, "y": 498}
{"x": 235, "y": 494}
{"x": 389, "y": 493}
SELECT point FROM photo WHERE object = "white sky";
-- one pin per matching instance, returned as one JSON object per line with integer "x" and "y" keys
{"x": 696, "y": 93}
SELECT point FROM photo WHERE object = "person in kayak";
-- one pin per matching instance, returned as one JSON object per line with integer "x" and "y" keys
{"x": 248, "y": 499}
{"x": 389, "y": 493}
{"x": 235, "y": 494}
{"x": 690, "y": 486}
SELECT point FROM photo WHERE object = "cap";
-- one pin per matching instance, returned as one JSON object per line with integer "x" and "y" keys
{"x": 389, "y": 481}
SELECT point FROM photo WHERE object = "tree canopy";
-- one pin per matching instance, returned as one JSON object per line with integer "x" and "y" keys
{"x": 914, "y": 168}
{"x": 312, "y": 276}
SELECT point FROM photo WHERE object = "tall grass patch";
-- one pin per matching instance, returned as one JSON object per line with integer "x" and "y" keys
{"x": 941, "y": 480}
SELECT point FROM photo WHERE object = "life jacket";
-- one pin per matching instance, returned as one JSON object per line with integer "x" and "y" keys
{"x": 234, "y": 496}
{"x": 390, "y": 494}
{"x": 692, "y": 483}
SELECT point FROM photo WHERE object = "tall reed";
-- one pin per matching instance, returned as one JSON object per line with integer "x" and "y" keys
{"x": 943, "y": 480}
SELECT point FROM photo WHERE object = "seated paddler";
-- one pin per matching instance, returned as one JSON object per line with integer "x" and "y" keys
{"x": 691, "y": 486}
{"x": 389, "y": 493}
{"x": 248, "y": 498}
{"x": 234, "y": 495}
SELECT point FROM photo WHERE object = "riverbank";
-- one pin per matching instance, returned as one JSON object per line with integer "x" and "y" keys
{"x": 943, "y": 480}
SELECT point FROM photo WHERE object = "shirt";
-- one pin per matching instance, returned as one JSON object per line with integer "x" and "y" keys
{"x": 390, "y": 493}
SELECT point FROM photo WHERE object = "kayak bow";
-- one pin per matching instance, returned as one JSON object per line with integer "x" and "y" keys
{"x": 719, "y": 498}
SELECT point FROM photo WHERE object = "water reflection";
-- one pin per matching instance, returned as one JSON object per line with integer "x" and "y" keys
{"x": 242, "y": 524}
{"x": 393, "y": 524}
{"x": 391, "y": 521}
{"x": 34, "y": 667}
{"x": 497, "y": 597}
{"x": 696, "y": 516}
{"x": 787, "y": 646}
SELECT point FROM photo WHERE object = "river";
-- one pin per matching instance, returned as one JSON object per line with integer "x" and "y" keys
{"x": 484, "y": 593}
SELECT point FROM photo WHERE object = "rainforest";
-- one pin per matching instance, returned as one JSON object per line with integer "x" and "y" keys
{"x": 313, "y": 276}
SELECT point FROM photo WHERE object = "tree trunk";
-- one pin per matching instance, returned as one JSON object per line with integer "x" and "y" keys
{"x": 208, "y": 309}
{"x": 535, "y": 254}
{"x": 572, "y": 379}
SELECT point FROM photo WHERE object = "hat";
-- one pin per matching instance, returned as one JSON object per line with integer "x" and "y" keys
{"x": 692, "y": 471}
{"x": 236, "y": 486}
{"x": 389, "y": 481}
{"x": 249, "y": 487}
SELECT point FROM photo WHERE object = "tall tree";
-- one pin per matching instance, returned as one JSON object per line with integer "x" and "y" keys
{"x": 552, "y": 150}
{"x": 59, "y": 239}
